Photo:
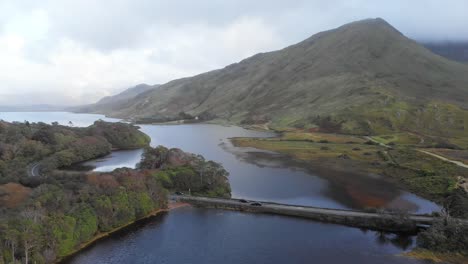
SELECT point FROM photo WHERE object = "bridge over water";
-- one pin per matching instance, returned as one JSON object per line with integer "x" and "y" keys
{"x": 393, "y": 222}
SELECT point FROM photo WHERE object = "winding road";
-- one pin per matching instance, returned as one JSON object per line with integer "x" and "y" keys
{"x": 34, "y": 170}
{"x": 456, "y": 162}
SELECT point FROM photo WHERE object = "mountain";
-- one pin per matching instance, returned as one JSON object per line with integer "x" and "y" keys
{"x": 32, "y": 108}
{"x": 457, "y": 51}
{"x": 111, "y": 103}
{"x": 125, "y": 95}
{"x": 361, "y": 78}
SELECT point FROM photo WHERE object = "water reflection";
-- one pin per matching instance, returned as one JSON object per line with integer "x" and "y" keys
{"x": 401, "y": 241}
{"x": 190, "y": 235}
{"x": 269, "y": 176}
{"x": 254, "y": 174}
{"x": 350, "y": 189}
{"x": 117, "y": 159}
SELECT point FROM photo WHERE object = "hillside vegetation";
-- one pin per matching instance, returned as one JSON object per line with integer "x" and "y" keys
{"x": 46, "y": 217}
{"x": 362, "y": 78}
{"x": 186, "y": 172}
{"x": 56, "y": 146}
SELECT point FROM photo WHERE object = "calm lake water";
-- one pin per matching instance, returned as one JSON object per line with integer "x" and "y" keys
{"x": 191, "y": 235}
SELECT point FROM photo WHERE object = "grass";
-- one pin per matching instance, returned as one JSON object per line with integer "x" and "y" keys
{"x": 423, "y": 174}
{"x": 459, "y": 155}
{"x": 460, "y": 141}
{"x": 318, "y": 137}
{"x": 420, "y": 173}
{"x": 398, "y": 138}
{"x": 306, "y": 150}
{"x": 424, "y": 254}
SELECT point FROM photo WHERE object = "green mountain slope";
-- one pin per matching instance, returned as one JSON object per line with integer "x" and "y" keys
{"x": 363, "y": 78}
{"x": 111, "y": 103}
{"x": 127, "y": 94}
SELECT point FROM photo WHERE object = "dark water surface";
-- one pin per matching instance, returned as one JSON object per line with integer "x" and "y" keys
{"x": 189, "y": 235}
{"x": 117, "y": 159}
{"x": 268, "y": 176}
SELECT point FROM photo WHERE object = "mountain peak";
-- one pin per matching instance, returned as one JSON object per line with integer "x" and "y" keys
{"x": 371, "y": 24}
{"x": 369, "y": 31}
{"x": 141, "y": 85}
{"x": 366, "y": 64}
{"x": 377, "y": 20}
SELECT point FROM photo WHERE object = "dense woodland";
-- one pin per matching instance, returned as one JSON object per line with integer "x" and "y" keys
{"x": 186, "y": 172}
{"x": 47, "y": 217}
{"x": 55, "y": 146}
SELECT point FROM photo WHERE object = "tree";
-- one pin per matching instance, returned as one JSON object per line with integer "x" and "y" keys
{"x": 200, "y": 166}
{"x": 11, "y": 238}
{"x": 29, "y": 233}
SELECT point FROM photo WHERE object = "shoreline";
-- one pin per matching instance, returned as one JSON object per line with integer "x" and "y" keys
{"x": 102, "y": 235}
{"x": 436, "y": 257}
{"x": 336, "y": 163}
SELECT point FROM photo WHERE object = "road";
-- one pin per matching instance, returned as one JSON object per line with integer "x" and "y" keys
{"x": 378, "y": 221}
{"x": 375, "y": 141}
{"x": 34, "y": 170}
{"x": 456, "y": 162}
{"x": 459, "y": 163}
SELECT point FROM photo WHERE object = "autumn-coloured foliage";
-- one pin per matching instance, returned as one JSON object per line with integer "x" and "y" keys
{"x": 46, "y": 217}
{"x": 13, "y": 194}
{"x": 104, "y": 181}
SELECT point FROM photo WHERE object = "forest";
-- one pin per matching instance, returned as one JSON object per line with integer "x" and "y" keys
{"x": 48, "y": 217}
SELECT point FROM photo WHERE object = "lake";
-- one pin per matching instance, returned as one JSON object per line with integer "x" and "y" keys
{"x": 191, "y": 235}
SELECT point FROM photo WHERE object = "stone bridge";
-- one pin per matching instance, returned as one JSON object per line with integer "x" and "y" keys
{"x": 392, "y": 222}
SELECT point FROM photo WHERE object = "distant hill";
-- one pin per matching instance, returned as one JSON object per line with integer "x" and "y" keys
{"x": 457, "y": 51}
{"x": 31, "y": 108}
{"x": 111, "y": 103}
{"x": 361, "y": 78}
{"x": 127, "y": 94}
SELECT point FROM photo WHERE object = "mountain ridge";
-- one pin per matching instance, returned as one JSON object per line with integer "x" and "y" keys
{"x": 110, "y": 103}
{"x": 325, "y": 81}
{"x": 127, "y": 93}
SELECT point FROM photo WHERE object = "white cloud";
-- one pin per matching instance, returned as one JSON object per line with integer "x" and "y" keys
{"x": 72, "y": 52}
{"x": 75, "y": 73}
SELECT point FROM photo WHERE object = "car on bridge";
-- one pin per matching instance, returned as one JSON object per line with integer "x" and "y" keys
{"x": 256, "y": 204}
{"x": 243, "y": 201}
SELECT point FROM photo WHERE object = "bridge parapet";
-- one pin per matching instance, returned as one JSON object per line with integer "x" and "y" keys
{"x": 375, "y": 221}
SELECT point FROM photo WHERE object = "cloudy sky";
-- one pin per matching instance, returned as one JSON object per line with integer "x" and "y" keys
{"x": 76, "y": 51}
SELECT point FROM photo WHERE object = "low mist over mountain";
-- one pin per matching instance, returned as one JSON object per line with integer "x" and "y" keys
{"x": 111, "y": 103}
{"x": 364, "y": 77}
{"x": 127, "y": 94}
{"x": 452, "y": 50}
